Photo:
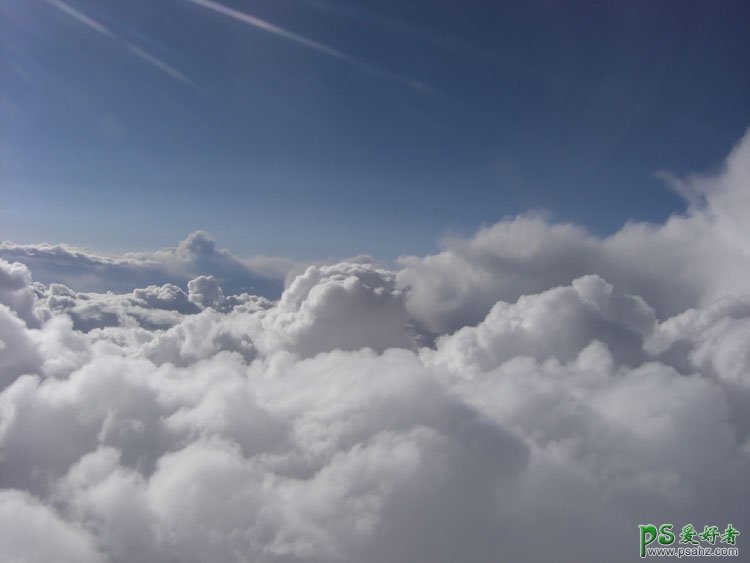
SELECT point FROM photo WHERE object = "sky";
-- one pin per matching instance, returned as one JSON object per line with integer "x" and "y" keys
{"x": 318, "y": 128}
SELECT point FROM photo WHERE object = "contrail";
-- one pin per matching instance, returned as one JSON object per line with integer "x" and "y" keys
{"x": 83, "y": 18}
{"x": 134, "y": 49}
{"x": 276, "y": 30}
{"x": 158, "y": 63}
{"x": 309, "y": 43}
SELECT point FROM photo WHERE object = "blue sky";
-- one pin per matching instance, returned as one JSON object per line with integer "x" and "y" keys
{"x": 314, "y": 128}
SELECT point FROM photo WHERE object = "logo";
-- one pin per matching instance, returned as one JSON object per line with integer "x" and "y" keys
{"x": 664, "y": 540}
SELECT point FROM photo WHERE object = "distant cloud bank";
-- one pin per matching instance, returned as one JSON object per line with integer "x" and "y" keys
{"x": 197, "y": 255}
{"x": 530, "y": 394}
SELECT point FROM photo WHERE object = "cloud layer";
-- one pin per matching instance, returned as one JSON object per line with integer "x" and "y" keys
{"x": 530, "y": 394}
{"x": 197, "y": 255}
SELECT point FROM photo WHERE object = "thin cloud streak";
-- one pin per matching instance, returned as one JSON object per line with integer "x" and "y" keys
{"x": 134, "y": 49}
{"x": 83, "y": 18}
{"x": 309, "y": 43}
{"x": 159, "y": 64}
{"x": 271, "y": 28}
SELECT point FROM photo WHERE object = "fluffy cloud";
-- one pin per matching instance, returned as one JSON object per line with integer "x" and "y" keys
{"x": 196, "y": 255}
{"x": 18, "y": 352}
{"x": 557, "y": 323}
{"x": 150, "y": 307}
{"x": 572, "y": 388}
{"x": 206, "y": 291}
{"x": 17, "y": 292}
{"x": 26, "y": 520}
{"x": 691, "y": 260}
{"x": 346, "y": 306}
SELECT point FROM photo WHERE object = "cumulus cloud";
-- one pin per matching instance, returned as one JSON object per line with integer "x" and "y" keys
{"x": 531, "y": 394}
{"x": 206, "y": 291}
{"x": 691, "y": 260}
{"x": 18, "y": 353}
{"x": 346, "y": 306}
{"x": 197, "y": 255}
{"x": 150, "y": 307}
{"x": 25, "y": 520}
{"x": 17, "y": 292}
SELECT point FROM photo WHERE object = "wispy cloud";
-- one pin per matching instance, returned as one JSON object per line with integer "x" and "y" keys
{"x": 83, "y": 18}
{"x": 264, "y": 25}
{"x": 159, "y": 64}
{"x": 271, "y": 28}
{"x": 153, "y": 60}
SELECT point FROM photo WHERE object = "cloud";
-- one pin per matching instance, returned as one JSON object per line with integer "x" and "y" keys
{"x": 26, "y": 520}
{"x": 557, "y": 323}
{"x": 17, "y": 292}
{"x": 268, "y": 27}
{"x": 672, "y": 266}
{"x": 593, "y": 392}
{"x": 197, "y": 255}
{"x": 142, "y": 54}
{"x": 205, "y": 291}
{"x": 19, "y": 354}
{"x": 150, "y": 307}
{"x": 159, "y": 64}
{"x": 323, "y": 309}
{"x": 83, "y": 18}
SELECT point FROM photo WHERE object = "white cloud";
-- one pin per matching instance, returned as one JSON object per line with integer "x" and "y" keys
{"x": 17, "y": 292}
{"x": 18, "y": 353}
{"x": 151, "y": 307}
{"x": 692, "y": 259}
{"x": 308, "y": 43}
{"x": 197, "y": 255}
{"x": 345, "y": 306}
{"x": 557, "y": 323}
{"x": 26, "y": 520}
{"x": 589, "y": 385}
{"x": 206, "y": 291}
